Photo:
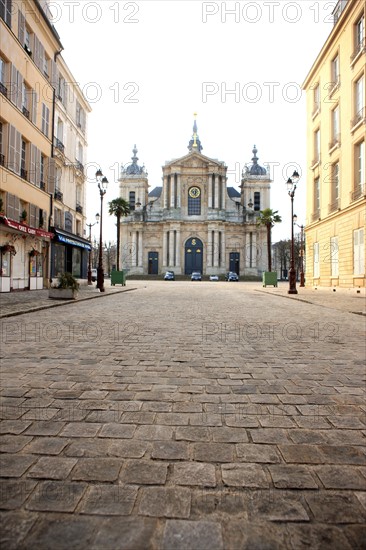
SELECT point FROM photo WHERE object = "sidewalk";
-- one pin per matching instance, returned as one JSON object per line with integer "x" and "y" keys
{"x": 351, "y": 300}
{"x": 17, "y": 303}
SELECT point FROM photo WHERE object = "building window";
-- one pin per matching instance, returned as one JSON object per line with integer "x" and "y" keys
{"x": 6, "y": 11}
{"x": 2, "y": 156}
{"x": 334, "y": 191}
{"x": 359, "y": 100}
{"x": 317, "y": 196}
{"x": 41, "y": 173}
{"x": 316, "y": 266}
{"x": 360, "y": 168}
{"x": 57, "y": 218}
{"x": 257, "y": 201}
{"x": 68, "y": 221}
{"x": 335, "y": 128}
{"x": 316, "y": 98}
{"x": 359, "y": 36}
{"x": 316, "y": 147}
{"x": 23, "y": 171}
{"x": 45, "y": 119}
{"x": 335, "y": 72}
{"x": 61, "y": 89}
{"x": 194, "y": 201}
{"x": 132, "y": 200}
{"x": 358, "y": 252}
{"x": 3, "y": 72}
{"x": 80, "y": 116}
{"x": 334, "y": 259}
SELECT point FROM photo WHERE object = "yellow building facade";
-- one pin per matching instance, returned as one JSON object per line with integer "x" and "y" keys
{"x": 336, "y": 173}
{"x": 33, "y": 81}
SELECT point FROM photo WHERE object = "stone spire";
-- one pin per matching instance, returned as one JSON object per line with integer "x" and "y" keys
{"x": 195, "y": 144}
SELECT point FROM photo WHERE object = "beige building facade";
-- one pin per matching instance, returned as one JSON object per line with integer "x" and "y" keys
{"x": 194, "y": 221}
{"x": 336, "y": 174}
{"x": 30, "y": 51}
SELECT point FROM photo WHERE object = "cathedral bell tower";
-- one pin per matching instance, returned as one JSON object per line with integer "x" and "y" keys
{"x": 133, "y": 183}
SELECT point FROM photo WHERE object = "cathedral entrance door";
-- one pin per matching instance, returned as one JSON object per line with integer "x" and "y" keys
{"x": 234, "y": 262}
{"x": 193, "y": 256}
{"x": 153, "y": 263}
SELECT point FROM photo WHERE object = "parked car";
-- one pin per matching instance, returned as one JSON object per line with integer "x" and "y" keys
{"x": 214, "y": 277}
{"x": 169, "y": 276}
{"x": 231, "y": 276}
{"x": 94, "y": 274}
{"x": 196, "y": 276}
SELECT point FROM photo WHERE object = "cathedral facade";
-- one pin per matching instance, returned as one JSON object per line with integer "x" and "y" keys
{"x": 194, "y": 221}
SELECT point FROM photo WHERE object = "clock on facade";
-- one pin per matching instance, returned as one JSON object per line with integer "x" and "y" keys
{"x": 194, "y": 192}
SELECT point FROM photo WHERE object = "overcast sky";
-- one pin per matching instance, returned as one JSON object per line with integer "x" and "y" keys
{"x": 147, "y": 66}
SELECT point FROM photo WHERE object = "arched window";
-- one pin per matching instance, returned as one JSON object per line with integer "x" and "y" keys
{"x": 194, "y": 201}
{"x": 132, "y": 200}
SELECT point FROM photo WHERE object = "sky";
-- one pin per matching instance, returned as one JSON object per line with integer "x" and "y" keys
{"x": 147, "y": 66}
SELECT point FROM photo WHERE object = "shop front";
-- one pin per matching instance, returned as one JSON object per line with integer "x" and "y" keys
{"x": 24, "y": 253}
{"x": 69, "y": 253}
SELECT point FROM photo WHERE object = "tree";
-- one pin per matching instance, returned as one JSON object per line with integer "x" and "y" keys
{"x": 118, "y": 207}
{"x": 269, "y": 218}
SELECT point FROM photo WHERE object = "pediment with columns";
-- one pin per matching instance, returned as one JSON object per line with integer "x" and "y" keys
{"x": 193, "y": 160}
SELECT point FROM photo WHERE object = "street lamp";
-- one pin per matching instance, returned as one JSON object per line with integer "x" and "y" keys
{"x": 302, "y": 276}
{"x": 90, "y": 225}
{"x": 291, "y": 188}
{"x": 102, "y": 186}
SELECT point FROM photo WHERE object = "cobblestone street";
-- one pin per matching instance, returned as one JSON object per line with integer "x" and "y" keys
{"x": 185, "y": 416}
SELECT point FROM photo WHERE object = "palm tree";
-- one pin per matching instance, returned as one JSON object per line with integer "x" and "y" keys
{"x": 118, "y": 207}
{"x": 268, "y": 217}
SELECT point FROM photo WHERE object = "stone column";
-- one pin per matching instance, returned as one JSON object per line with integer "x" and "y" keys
{"x": 171, "y": 248}
{"x": 165, "y": 191}
{"x": 178, "y": 191}
{"x": 216, "y": 249}
{"x": 223, "y": 249}
{"x": 178, "y": 248}
{"x": 216, "y": 191}
{"x": 172, "y": 194}
{"x": 140, "y": 250}
{"x": 210, "y": 191}
{"x": 133, "y": 249}
{"x": 165, "y": 247}
{"x": 209, "y": 248}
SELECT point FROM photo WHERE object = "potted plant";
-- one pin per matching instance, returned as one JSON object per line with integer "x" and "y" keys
{"x": 8, "y": 248}
{"x": 23, "y": 216}
{"x": 66, "y": 288}
{"x": 269, "y": 218}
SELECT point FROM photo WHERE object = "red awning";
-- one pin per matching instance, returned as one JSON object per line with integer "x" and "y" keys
{"x": 25, "y": 228}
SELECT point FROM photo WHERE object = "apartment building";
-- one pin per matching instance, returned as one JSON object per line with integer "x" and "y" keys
{"x": 336, "y": 173}
{"x": 30, "y": 171}
{"x": 69, "y": 248}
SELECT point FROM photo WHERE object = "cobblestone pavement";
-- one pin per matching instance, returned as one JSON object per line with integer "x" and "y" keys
{"x": 184, "y": 416}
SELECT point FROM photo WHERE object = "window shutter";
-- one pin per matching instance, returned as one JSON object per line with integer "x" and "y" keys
{"x": 20, "y": 91}
{"x": 32, "y": 215}
{"x": 10, "y": 206}
{"x": 14, "y": 149}
{"x": 32, "y": 164}
{"x": 21, "y": 28}
{"x": 13, "y": 88}
{"x": 50, "y": 174}
{"x": 54, "y": 75}
{"x": 38, "y": 167}
{"x": 37, "y": 52}
{"x": 34, "y": 106}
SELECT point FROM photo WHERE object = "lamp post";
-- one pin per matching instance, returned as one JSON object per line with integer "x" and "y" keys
{"x": 90, "y": 225}
{"x": 291, "y": 188}
{"x": 302, "y": 276}
{"x": 102, "y": 186}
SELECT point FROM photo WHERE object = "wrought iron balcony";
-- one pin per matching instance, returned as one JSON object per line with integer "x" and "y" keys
{"x": 42, "y": 185}
{"x": 79, "y": 208}
{"x": 59, "y": 145}
{"x": 58, "y": 195}
{"x": 336, "y": 141}
{"x": 360, "y": 47}
{"x": 23, "y": 174}
{"x": 358, "y": 193}
{"x": 2, "y": 160}
{"x": 333, "y": 207}
{"x": 79, "y": 166}
{"x": 315, "y": 216}
{"x": 25, "y": 112}
{"x": 360, "y": 117}
{"x": 3, "y": 89}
